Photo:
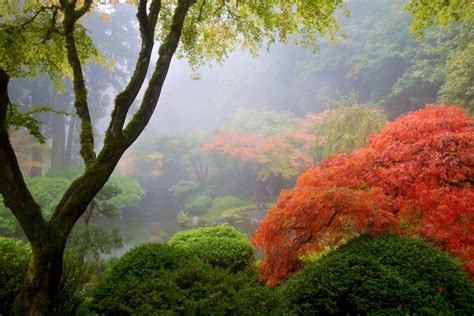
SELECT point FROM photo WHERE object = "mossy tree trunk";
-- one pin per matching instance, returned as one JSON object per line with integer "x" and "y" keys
{"x": 48, "y": 237}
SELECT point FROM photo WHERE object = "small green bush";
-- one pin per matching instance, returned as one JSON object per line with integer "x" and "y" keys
{"x": 199, "y": 205}
{"x": 227, "y": 202}
{"x": 183, "y": 188}
{"x": 211, "y": 191}
{"x": 390, "y": 275}
{"x": 158, "y": 279}
{"x": 14, "y": 260}
{"x": 220, "y": 246}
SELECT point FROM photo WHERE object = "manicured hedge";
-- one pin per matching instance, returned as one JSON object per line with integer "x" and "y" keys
{"x": 158, "y": 279}
{"x": 220, "y": 246}
{"x": 385, "y": 275}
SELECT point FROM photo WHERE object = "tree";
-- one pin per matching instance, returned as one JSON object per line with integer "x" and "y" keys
{"x": 390, "y": 66}
{"x": 205, "y": 30}
{"x": 429, "y": 13}
{"x": 348, "y": 128}
{"x": 415, "y": 177}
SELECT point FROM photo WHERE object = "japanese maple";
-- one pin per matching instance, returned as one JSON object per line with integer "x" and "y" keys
{"x": 241, "y": 147}
{"x": 415, "y": 177}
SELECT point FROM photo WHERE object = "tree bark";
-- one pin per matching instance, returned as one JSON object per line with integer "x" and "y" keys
{"x": 44, "y": 275}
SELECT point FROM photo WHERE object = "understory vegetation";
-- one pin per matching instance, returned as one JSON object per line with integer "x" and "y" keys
{"x": 387, "y": 274}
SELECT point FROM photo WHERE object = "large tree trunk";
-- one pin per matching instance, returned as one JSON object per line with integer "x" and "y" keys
{"x": 44, "y": 275}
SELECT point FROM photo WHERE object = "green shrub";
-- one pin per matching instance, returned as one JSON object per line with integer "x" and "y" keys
{"x": 211, "y": 191}
{"x": 385, "y": 275}
{"x": 14, "y": 256}
{"x": 14, "y": 260}
{"x": 220, "y": 246}
{"x": 199, "y": 205}
{"x": 158, "y": 279}
{"x": 183, "y": 188}
{"x": 227, "y": 202}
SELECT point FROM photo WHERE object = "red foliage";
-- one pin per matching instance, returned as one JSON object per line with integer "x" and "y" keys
{"x": 241, "y": 147}
{"x": 309, "y": 218}
{"x": 423, "y": 164}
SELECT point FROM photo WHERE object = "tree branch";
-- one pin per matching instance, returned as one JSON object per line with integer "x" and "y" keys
{"x": 124, "y": 100}
{"x": 81, "y": 192}
{"x": 13, "y": 188}
{"x": 80, "y": 91}
{"x": 83, "y": 10}
{"x": 155, "y": 85}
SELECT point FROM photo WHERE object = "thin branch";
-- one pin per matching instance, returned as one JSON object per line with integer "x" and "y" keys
{"x": 155, "y": 85}
{"x": 30, "y": 20}
{"x": 80, "y": 91}
{"x": 83, "y": 10}
{"x": 124, "y": 100}
{"x": 52, "y": 26}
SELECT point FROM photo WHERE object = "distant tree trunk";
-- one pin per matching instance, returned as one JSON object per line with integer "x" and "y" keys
{"x": 37, "y": 161}
{"x": 59, "y": 139}
{"x": 70, "y": 137}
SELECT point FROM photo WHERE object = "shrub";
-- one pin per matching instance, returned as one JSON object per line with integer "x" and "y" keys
{"x": 199, "y": 205}
{"x": 220, "y": 246}
{"x": 158, "y": 279}
{"x": 14, "y": 259}
{"x": 227, "y": 202}
{"x": 211, "y": 190}
{"x": 388, "y": 275}
{"x": 183, "y": 188}
{"x": 14, "y": 256}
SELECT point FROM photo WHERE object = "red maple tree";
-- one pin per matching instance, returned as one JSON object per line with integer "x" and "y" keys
{"x": 415, "y": 177}
{"x": 241, "y": 147}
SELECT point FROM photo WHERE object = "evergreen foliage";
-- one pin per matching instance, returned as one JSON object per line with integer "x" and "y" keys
{"x": 388, "y": 275}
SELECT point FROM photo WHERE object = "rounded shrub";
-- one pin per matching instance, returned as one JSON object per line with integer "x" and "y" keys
{"x": 158, "y": 279}
{"x": 227, "y": 202}
{"x": 382, "y": 275}
{"x": 199, "y": 205}
{"x": 14, "y": 260}
{"x": 220, "y": 246}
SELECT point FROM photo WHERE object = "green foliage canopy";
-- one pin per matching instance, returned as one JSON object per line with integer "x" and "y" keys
{"x": 429, "y": 13}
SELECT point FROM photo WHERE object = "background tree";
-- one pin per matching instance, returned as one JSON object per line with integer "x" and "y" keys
{"x": 391, "y": 67}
